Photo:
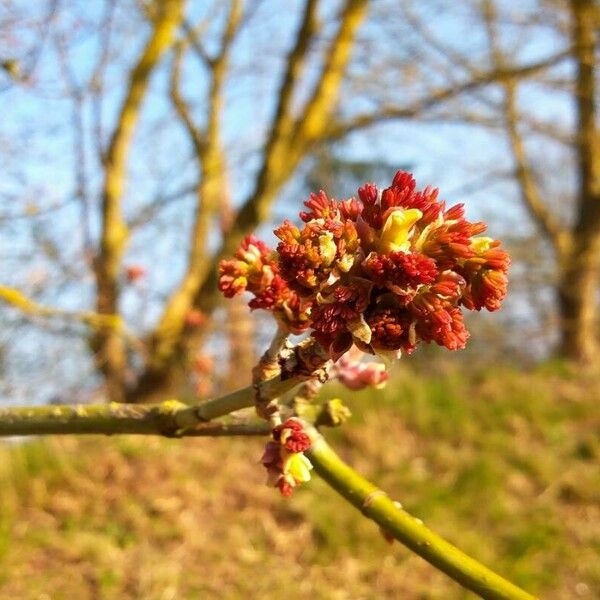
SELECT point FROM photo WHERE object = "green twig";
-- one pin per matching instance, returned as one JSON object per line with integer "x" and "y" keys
{"x": 218, "y": 407}
{"x": 170, "y": 418}
{"x": 376, "y": 505}
{"x": 297, "y": 364}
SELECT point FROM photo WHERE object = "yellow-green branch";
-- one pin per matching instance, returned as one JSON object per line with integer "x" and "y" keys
{"x": 272, "y": 388}
{"x": 170, "y": 418}
{"x": 376, "y": 505}
{"x": 30, "y": 307}
{"x": 34, "y": 310}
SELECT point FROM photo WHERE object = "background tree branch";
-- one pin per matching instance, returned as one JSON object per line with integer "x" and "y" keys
{"x": 339, "y": 129}
{"x": 282, "y": 154}
{"x": 111, "y": 354}
{"x": 211, "y": 192}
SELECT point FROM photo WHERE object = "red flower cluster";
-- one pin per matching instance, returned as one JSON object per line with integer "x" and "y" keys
{"x": 283, "y": 458}
{"x": 383, "y": 272}
{"x": 255, "y": 269}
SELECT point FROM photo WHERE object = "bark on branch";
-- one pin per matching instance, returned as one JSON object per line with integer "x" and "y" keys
{"x": 170, "y": 418}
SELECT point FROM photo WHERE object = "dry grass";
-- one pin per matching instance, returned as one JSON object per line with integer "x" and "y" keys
{"x": 504, "y": 464}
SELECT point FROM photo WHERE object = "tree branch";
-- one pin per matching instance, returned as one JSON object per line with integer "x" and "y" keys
{"x": 167, "y": 418}
{"x": 580, "y": 269}
{"x": 530, "y": 192}
{"x": 96, "y": 81}
{"x": 376, "y": 505}
{"x": 340, "y": 129}
{"x": 290, "y": 138}
{"x": 196, "y": 42}
{"x": 558, "y": 236}
{"x": 211, "y": 191}
{"x": 317, "y": 113}
{"x": 32, "y": 308}
{"x": 276, "y": 165}
{"x": 161, "y": 201}
{"x": 586, "y": 19}
{"x": 111, "y": 352}
{"x": 170, "y": 418}
{"x": 196, "y": 135}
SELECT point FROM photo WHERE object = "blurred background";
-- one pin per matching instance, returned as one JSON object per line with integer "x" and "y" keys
{"x": 140, "y": 140}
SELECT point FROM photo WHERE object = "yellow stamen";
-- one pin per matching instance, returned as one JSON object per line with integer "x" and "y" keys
{"x": 481, "y": 244}
{"x": 396, "y": 230}
{"x": 327, "y": 248}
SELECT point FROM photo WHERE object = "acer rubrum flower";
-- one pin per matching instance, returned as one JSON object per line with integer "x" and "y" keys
{"x": 287, "y": 466}
{"x": 481, "y": 244}
{"x": 327, "y": 248}
{"x": 298, "y": 467}
{"x": 378, "y": 274}
{"x": 383, "y": 272}
{"x": 357, "y": 375}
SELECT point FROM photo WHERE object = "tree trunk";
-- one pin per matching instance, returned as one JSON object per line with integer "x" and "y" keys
{"x": 580, "y": 267}
{"x": 578, "y": 301}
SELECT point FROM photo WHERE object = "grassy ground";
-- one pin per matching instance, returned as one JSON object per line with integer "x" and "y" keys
{"x": 506, "y": 465}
